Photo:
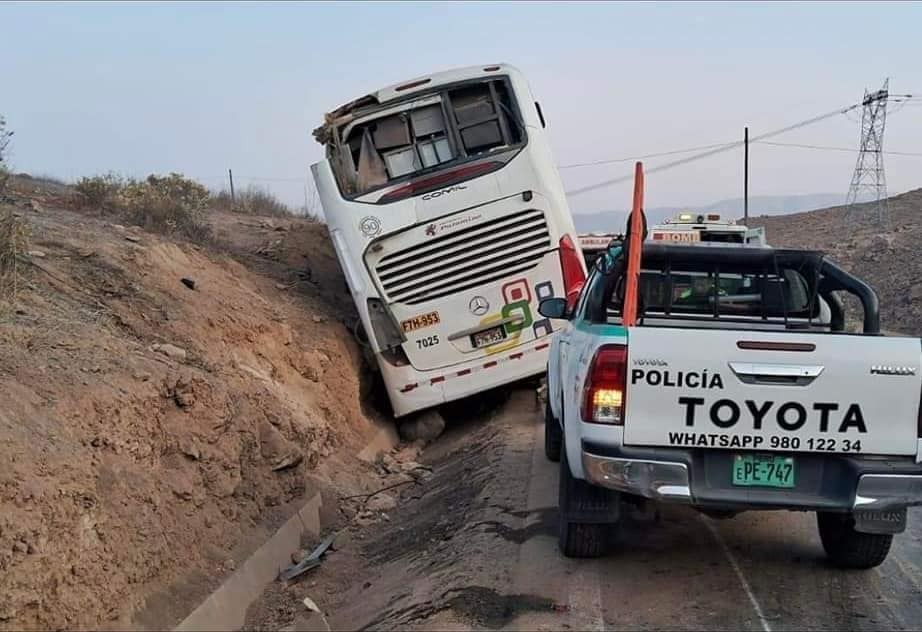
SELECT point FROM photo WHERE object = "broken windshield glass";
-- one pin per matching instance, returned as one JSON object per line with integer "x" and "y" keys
{"x": 425, "y": 135}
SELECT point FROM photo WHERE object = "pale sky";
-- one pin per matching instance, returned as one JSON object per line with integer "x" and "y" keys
{"x": 198, "y": 88}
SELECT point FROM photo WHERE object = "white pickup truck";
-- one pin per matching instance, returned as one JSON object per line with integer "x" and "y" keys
{"x": 738, "y": 390}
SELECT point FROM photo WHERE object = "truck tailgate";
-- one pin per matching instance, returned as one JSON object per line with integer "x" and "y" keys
{"x": 772, "y": 391}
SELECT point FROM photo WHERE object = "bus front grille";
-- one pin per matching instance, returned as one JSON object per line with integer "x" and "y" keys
{"x": 466, "y": 258}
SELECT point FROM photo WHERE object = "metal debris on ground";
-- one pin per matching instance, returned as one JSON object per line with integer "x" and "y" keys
{"x": 309, "y": 562}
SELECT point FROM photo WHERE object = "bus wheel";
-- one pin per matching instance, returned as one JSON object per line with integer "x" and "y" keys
{"x": 553, "y": 434}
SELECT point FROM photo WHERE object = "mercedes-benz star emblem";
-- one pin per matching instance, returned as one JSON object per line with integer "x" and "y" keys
{"x": 479, "y": 306}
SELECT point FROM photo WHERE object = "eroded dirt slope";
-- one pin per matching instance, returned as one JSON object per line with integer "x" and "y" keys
{"x": 890, "y": 260}
{"x": 146, "y": 428}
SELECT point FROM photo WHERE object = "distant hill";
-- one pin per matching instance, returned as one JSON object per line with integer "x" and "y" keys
{"x": 614, "y": 220}
{"x": 889, "y": 260}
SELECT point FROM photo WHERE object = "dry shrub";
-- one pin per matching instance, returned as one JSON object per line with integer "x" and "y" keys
{"x": 173, "y": 204}
{"x": 99, "y": 193}
{"x": 13, "y": 244}
{"x": 251, "y": 201}
{"x": 170, "y": 204}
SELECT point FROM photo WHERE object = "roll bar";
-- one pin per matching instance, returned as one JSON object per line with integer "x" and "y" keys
{"x": 835, "y": 278}
{"x": 832, "y": 278}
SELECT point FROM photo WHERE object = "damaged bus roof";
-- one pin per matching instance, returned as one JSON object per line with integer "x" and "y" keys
{"x": 368, "y": 103}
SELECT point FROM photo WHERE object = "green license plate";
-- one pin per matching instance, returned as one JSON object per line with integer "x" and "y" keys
{"x": 763, "y": 470}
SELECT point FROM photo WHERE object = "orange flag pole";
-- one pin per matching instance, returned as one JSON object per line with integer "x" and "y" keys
{"x": 635, "y": 244}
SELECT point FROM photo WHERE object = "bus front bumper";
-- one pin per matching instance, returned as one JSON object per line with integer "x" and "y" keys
{"x": 411, "y": 390}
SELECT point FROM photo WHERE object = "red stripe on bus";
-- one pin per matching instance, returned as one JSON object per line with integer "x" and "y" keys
{"x": 542, "y": 346}
{"x": 516, "y": 356}
{"x": 489, "y": 364}
{"x": 408, "y": 388}
{"x": 464, "y": 372}
{"x": 436, "y": 380}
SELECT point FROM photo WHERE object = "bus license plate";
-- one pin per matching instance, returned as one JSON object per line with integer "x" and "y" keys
{"x": 488, "y": 337}
{"x": 418, "y": 322}
{"x": 757, "y": 470}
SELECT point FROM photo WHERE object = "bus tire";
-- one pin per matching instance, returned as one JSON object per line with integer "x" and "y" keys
{"x": 576, "y": 538}
{"x": 847, "y": 548}
{"x": 553, "y": 434}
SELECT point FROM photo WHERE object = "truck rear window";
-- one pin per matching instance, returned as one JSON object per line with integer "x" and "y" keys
{"x": 720, "y": 293}
{"x": 730, "y": 294}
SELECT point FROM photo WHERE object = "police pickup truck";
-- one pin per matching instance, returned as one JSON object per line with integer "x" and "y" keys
{"x": 739, "y": 389}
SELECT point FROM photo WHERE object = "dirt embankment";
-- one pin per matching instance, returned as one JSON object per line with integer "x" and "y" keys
{"x": 148, "y": 425}
{"x": 890, "y": 260}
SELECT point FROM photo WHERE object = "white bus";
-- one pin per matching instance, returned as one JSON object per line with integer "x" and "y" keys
{"x": 451, "y": 224}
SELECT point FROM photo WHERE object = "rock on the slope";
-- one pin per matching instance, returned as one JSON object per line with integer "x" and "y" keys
{"x": 427, "y": 426}
{"x": 381, "y": 502}
{"x": 276, "y": 449}
{"x": 171, "y": 351}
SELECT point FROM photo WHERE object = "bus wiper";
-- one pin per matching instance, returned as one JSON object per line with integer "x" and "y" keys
{"x": 511, "y": 115}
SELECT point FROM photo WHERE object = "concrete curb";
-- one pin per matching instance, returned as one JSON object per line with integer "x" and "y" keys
{"x": 226, "y": 607}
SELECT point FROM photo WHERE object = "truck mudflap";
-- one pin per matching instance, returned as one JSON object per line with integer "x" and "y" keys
{"x": 883, "y": 521}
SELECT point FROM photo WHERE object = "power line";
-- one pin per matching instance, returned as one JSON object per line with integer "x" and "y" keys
{"x": 633, "y": 158}
{"x": 718, "y": 150}
{"x": 272, "y": 179}
{"x": 826, "y": 147}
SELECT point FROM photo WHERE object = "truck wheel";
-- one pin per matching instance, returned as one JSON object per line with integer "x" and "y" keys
{"x": 847, "y": 548}
{"x": 575, "y": 538}
{"x": 553, "y": 434}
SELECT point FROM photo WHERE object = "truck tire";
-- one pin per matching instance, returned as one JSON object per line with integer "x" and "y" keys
{"x": 847, "y": 548}
{"x": 553, "y": 434}
{"x": 576, "y": 538}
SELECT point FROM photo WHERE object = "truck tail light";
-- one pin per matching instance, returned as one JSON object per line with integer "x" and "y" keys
{"x": 571, "y": 265}
{"x": 606, "y": 383}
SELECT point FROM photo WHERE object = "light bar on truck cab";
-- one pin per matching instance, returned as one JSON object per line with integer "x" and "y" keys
{"x": 440, "y": 180}
{"x": 605, "y": 386}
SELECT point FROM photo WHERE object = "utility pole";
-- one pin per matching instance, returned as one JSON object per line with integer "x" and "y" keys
{"x": 869, "y": 169}
{"x": 230, "y": 174}
{"x": 746, "y": 177}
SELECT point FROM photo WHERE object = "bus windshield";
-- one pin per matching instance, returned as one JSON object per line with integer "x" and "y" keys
{"x": 371, "y": 148}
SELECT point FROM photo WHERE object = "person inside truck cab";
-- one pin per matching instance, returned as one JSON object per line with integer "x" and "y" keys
{"x": 697, "y": 291}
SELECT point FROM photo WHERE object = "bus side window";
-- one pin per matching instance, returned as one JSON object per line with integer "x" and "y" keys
{"x": 540, "y": 114}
